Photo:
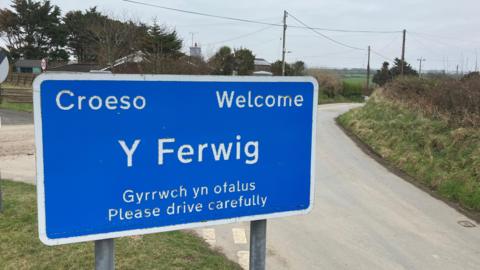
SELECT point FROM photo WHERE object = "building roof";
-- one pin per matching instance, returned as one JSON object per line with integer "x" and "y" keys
{"x": 28, "y": 63}
{"x": 262, "y": 73}
{"x": 76, "y": 67}
{"x": 261, "y": 62}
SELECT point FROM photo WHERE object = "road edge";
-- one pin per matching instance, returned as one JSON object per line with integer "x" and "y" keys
{"x": 368, "y": 150}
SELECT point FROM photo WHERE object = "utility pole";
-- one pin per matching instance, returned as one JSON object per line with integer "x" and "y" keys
{"x": 421, "y": 59}
{"x": 368, "y": 72}
{"x": 284, "y": 51}
{"x": 402, "y": 67}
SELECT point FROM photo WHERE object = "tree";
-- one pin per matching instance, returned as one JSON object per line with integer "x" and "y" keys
{"x": 295, "y": 69}
{"x": 222, "y": 62}
{"x": 116, "y": 39}
{"x": 407, "y": 69}
{"x": 159, "y": 40}
{"x": 34, "y": 30}
{"x": 298, "y": 68}
{"x": 80, "y": 38}
{"x": 244, "y": 61}
{"x": 383, "y": 75}
{"x": 277, "y": 68}
{"x": 160, "y": 44}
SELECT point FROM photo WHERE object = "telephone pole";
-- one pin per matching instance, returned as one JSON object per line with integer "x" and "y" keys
{"x": 368, "y": 72}
{"x": 402, "y": 66}
{"x": 421, "y": 59}
{"x": 284, "y": 51}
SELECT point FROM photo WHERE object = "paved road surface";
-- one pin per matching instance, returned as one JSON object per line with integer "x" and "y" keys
{"x": 364, "y": 218}
{"x": 9, "y": 117}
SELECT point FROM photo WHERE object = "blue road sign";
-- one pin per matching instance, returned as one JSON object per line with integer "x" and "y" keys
{"x": 122, "y": 155}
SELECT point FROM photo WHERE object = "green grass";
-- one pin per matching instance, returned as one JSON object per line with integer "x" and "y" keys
{"x": 324, "y": 99}
{"x": 350, "y": 92}
{"x": 24, "y": 107}
{"x": 443, "y": 158}
{"x": 20, "y": 247}
{"x": 355, "y": 80}
{"x": 19, "y": 86}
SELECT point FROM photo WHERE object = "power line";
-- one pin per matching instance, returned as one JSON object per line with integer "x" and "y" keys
{"x": 202, "y": 14}
{"x": 240, "y": 36}
{"x": 255, "y": 21}
{"x": 381, "y": 55}
{"x": 325, "y": 36}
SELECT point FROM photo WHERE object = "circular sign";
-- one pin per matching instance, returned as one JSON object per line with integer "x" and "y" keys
{"x": 3, "y": 66}
{"x": 44, "y": 64}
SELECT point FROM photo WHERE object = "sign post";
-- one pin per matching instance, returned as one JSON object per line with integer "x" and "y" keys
{"x": 105, "y": 254}
{"x": 258, "y": 244}
{"x": 153, "y": 153}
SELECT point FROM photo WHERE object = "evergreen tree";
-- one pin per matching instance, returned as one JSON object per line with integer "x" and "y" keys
{"x": 383, "y": 75}
{"x": 407, "y": 68}
{"x": 298, "y": 68}
{"x": 34, "y": 30}
{"x": 80, "y": 38}
{"x": 222, "y": 62}
{"x": 244, "y": 62}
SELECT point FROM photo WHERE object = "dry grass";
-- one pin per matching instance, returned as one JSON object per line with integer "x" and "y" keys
{"x": 441, "y": 156}
{"x": 454, "y": 101}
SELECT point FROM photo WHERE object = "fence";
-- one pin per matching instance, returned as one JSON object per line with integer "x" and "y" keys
{"x": 16, "y": 95}
{"x": 20, "y": 79}
{"x": 17, "y": 88}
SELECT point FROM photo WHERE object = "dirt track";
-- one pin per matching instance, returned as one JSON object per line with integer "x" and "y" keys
{"x": 17, "y": 158}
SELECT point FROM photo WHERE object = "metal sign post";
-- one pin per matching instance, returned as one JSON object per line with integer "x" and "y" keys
{"x": 258, "y": 244}
{"x": 1, "y": 205}
{"x": 105, "y": 254}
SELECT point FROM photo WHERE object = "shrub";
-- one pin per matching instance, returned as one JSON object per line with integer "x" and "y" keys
{"x": 456, "y": 101}
{"x": 329, "y": 83}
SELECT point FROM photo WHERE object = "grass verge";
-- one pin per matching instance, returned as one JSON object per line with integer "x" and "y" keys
{"x": 443, "y": 158}
{"x": 24, "y": 107}
{"x": 20, "y": 247}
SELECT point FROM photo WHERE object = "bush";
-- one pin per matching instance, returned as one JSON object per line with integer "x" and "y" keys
{"x": 329, "y": 83}
{"x": 456, "y": 101}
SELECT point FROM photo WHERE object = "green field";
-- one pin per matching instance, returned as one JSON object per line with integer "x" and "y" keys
{"x": 20, "y": 247}
{"x": 24, "y": 107}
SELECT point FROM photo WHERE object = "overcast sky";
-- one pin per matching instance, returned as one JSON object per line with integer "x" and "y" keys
{"x": 444, "y": 32}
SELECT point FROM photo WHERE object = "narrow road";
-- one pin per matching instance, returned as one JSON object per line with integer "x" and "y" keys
{"x": 364, "y": 218}
{"x": 9, "y": 117}
{"x": 17, "y": 153}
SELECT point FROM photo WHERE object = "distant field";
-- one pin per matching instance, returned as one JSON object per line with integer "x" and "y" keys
{"x": 356, "y": 78}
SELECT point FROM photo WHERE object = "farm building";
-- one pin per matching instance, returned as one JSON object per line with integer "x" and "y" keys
{"x": 28, "y": 66}
{"x": 262, "y": 65}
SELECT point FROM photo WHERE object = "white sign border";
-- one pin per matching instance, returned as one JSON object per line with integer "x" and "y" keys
{"x": 140, "y": 77}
